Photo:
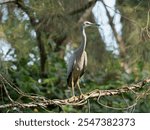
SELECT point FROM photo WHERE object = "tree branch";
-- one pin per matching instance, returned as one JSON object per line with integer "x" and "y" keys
{"x": 117, "y": 36}
{"x": 88, "y": 5}
{"x": 119, "y": 40}
{"x": 41, "y": 46}
{"x": 85, "y": 15}
{"x": 78, "y": 100}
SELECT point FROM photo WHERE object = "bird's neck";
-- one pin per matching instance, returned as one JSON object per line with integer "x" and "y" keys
{"x": 83, "y": 43}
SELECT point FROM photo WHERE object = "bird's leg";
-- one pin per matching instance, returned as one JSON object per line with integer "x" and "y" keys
{"x": 72, "y": 85}
{"x": 79, "y": 87}
{"x": 82, "y": 95}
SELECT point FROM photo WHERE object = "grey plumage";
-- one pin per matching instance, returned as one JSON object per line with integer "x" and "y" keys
{"x": 77, "y": 61}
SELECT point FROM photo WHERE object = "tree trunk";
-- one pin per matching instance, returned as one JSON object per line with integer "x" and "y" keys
{"x": 43, "y": 56}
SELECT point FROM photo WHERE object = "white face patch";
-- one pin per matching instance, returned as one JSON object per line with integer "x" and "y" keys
{"x": 87, "y": 23}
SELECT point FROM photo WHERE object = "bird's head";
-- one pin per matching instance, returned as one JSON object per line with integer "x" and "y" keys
{"x": 87, "y": 24}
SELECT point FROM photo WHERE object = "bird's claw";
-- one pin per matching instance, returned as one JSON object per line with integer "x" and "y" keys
{"x": 82, "y": 96}
{"x": 72, "y": 99}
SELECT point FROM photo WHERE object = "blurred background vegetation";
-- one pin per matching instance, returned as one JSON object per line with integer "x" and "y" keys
{"x": 38, "y": 31}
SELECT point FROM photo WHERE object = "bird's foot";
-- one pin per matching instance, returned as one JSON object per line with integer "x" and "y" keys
{"x": 82, "y": 96}
{"x": 72, "y": 99}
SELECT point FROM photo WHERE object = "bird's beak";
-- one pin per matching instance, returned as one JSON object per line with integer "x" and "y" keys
{"x": 95, "y": 24}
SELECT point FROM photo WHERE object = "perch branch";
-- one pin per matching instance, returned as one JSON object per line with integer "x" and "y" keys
{"x": 78, "y": 100}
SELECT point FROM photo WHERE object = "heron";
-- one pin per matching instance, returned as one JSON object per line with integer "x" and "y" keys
{"x": 77, "y": 62}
